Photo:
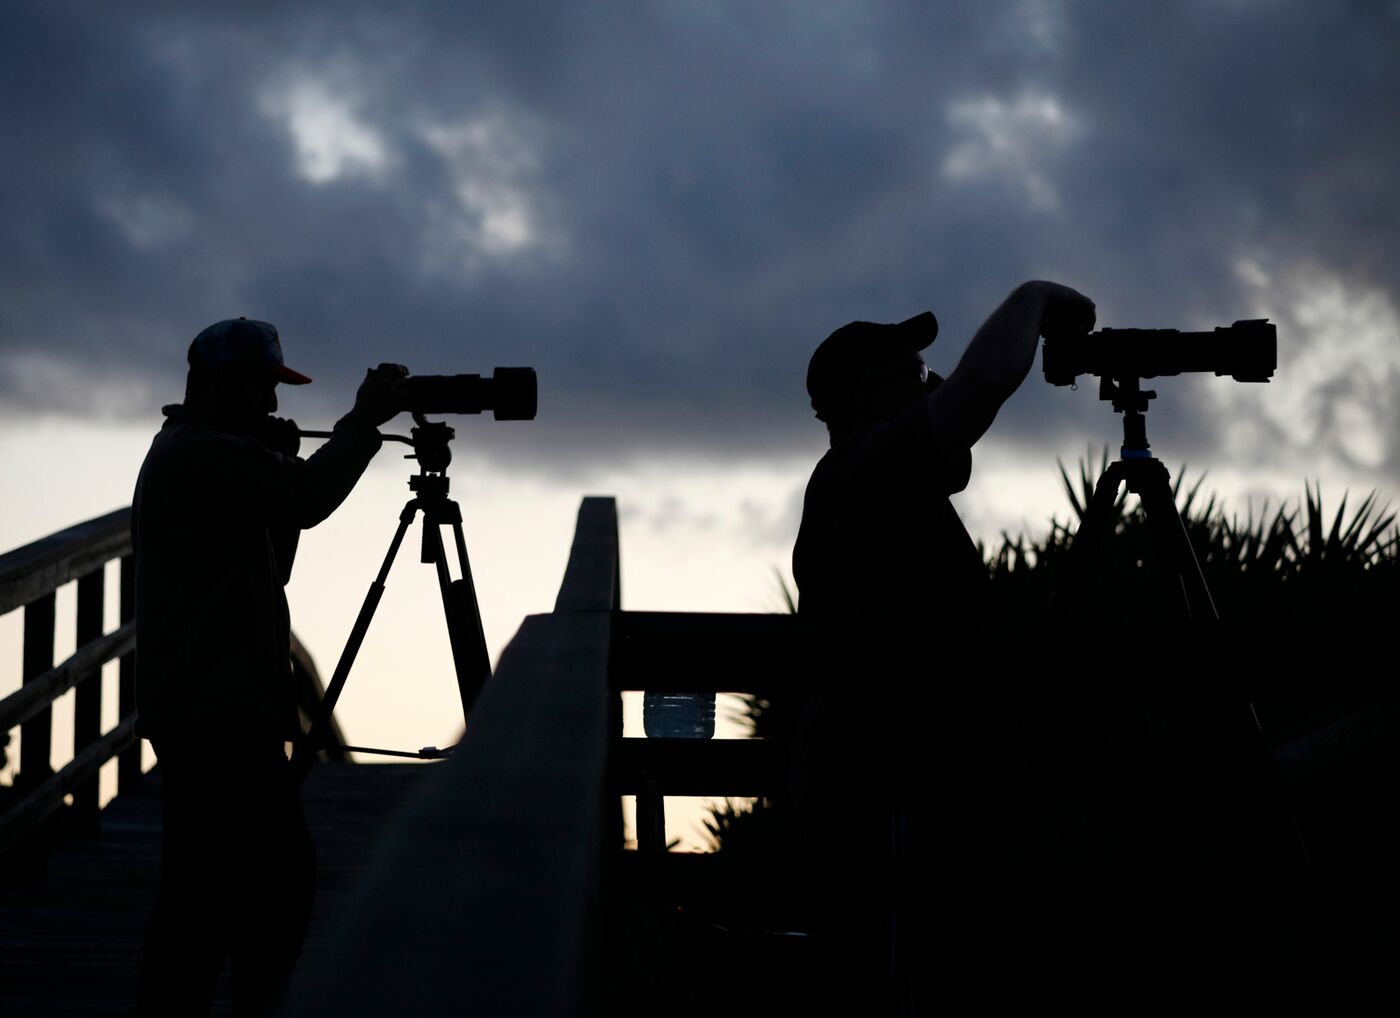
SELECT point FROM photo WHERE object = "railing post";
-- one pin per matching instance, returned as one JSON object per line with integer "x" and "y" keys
{"x": 36, "y": 734}
{"x": 129, "y": 761}
{"x": 651, "y": 815}
{"x": 87, "y": 697}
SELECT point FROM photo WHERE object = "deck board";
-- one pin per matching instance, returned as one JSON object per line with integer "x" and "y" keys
{"x": 70, "y": 942}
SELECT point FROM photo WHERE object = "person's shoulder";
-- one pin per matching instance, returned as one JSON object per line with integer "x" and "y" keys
{"x": 834, "y": 465}
{"x": 897, "y": 444}
{"x": 186, "y": 446}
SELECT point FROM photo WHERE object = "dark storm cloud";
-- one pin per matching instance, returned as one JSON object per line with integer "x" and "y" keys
{"x": 664, "y": 206}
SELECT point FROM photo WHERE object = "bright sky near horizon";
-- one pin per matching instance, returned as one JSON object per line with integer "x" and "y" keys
{"x": 663, "y": 207}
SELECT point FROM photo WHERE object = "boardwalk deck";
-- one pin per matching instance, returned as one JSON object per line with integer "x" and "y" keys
{"x": 70, "y": 944}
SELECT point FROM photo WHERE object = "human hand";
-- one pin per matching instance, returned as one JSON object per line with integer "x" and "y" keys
{"x": 280, "y": 434}
{"x": 1064, "y": 311}
{"x": 381, "y": 395}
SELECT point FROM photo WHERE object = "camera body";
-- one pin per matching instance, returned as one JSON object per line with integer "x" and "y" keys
{"x": 511, "y": 394}
{"x": 1247, "y": 351}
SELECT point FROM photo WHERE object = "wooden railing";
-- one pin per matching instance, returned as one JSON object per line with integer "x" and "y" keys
{"x": 492, "y": 877}
{"x": 29, "y": 579}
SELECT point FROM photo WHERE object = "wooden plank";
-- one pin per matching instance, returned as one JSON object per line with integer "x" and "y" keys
{"x": 72, "y": 944}
{"x": 129, "y": 760}
{"x": 498, "y": 859}
{"x": 592, "y": 580}
{"x": 738, "y": 767}
{"x": 782, "y": 653}
{"x": 36, "y": 734}
{"x": 37, "y": 694}
{"x": 87, "y": 700}
{"x": 722, "y": 652}
{"x": 39, "y": 568}
{"x": 651, "y": 813}
{"x": 784, "y": 881}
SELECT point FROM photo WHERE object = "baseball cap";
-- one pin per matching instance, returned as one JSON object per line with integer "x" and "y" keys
{"x": 242, "y": 344}
{"x": 841, "y": 355}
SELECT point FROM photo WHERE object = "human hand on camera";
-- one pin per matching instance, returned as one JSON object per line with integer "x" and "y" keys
{"x": 280, "y": 434}
{"x": 1064, "y": 312}
{"x": 380, "y": 396}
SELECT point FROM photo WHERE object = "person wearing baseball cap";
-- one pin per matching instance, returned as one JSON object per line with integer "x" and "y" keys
{"x": 219, "y": 506}
{"x": 881, "y": 543}
{"x": 878, "y": 533}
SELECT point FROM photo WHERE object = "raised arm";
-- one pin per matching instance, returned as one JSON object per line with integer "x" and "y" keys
{"x": 248, "y": 480}
{"x": 999, "y": 358}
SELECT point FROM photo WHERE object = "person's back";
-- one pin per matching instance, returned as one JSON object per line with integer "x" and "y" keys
{"x": 213, "y": 621}
{"x": 216, "y": 518}
{"x": 877, "y": 525}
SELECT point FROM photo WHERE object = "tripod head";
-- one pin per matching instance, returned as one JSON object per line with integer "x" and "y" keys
{"x": 430, "y": 446}
{"x": 431, "y": 449}
{"x": 1130, "y": 400}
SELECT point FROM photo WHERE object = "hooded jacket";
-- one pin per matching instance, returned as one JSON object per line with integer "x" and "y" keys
{"x": 215, "y": 521}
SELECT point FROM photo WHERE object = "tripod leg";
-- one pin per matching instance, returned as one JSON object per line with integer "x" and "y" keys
{"x": 307, "y": 748}
{"x": 1098, "y": 517}
{"x": 469, "y": 655}
{"x": 1181, "y": 571}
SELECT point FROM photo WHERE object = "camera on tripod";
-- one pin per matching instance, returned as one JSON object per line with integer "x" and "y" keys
{"x": 1247, "y": 351}
{"x": 511, "y": 394}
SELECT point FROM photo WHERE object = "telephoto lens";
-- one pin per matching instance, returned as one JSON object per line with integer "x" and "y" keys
{"x": 1247, "y": 351}
{"x": 511, "y": 394}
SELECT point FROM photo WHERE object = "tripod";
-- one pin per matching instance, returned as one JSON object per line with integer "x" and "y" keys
{"x": 459, "y": 604}
{"x": 1146, "y": 477}
{"x": 1186, "y": 589}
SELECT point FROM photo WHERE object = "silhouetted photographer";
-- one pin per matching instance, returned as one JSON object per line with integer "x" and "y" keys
{"x": 878, "y": 532}
{"x": 219, "y": 506}
{"x": 900, "y": 770}
{"x": 881, "y": 543}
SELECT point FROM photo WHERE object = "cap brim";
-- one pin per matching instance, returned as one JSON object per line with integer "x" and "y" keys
{"x": 286, "y": 374}
{"x": 919, "y": 331}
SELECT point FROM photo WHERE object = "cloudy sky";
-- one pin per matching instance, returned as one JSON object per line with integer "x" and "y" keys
{"x": 663, "y": 207}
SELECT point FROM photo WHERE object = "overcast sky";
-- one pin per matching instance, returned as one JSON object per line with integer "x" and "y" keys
{"x": 664, "y": 207}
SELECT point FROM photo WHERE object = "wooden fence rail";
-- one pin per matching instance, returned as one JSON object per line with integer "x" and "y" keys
{"x": 29, "y": 579}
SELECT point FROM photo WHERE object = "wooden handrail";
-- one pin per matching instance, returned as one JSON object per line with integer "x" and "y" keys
{"x": 45, "y": 800}
{"x": 737, "y": 767}
{"x": 39, "y": 693}
{"x": 500, "y": 856}
{"x": 592, "y": 579}
{"x": 39, "y": 568}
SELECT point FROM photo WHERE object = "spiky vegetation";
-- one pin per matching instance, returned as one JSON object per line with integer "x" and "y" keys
{"x": 1291, "y": 565}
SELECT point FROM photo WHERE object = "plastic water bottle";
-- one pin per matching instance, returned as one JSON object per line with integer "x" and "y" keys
{"x": 679, "y": 715}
